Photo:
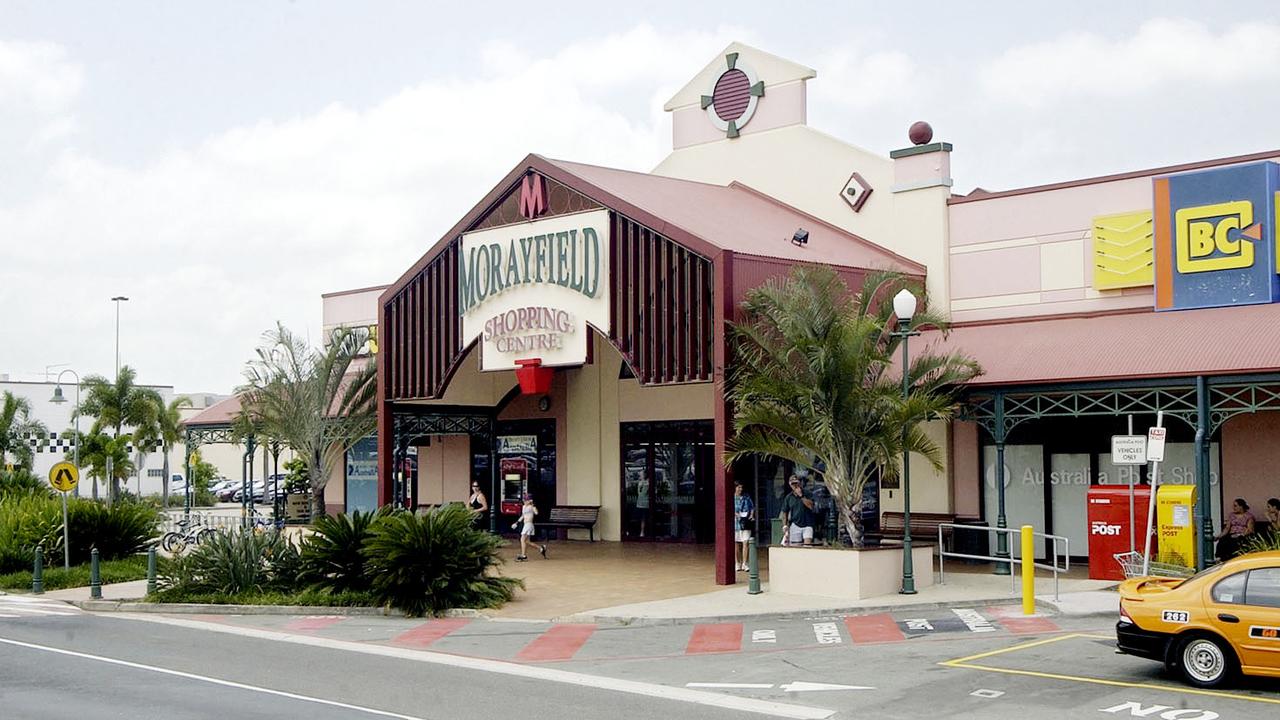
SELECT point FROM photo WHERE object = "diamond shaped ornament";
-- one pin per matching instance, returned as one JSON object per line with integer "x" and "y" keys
{"x": 856, "y": 192}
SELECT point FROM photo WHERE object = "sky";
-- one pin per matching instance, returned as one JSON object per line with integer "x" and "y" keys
{"x": 222, "y": 164}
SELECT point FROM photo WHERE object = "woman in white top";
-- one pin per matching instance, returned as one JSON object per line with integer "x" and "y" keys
{"x": 527, "y": 513}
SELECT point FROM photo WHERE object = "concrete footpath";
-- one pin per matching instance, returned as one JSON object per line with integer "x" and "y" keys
{"x": 1076, "y": 598}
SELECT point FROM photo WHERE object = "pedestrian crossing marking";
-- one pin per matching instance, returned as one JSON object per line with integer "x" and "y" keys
{"x": 764, "y": 636}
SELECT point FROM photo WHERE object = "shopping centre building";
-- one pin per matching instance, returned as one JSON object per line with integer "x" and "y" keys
{"x": 566, "y": 337}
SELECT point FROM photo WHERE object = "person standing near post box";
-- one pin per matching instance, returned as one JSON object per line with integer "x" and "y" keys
{"x": 1239, "y": 525}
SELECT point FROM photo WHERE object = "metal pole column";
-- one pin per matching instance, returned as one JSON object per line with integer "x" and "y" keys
{"x": 1204, "y": 505}
{"x": 908, "y": 571}
{"x": 1002, "y": 521}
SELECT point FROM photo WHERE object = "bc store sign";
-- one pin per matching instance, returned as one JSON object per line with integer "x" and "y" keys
{"x": 1216, "y": 239}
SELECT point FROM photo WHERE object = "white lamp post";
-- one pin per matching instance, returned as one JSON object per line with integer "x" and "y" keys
{"x": 904, "y": 306}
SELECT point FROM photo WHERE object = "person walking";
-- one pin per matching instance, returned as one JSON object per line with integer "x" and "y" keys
{"x": 1238, "y": 526}
{"x": 744, "y": 511}
{"x": 797, "y": 516}
{"x": 527, "y": 513}
{"x": 479, "y": 505}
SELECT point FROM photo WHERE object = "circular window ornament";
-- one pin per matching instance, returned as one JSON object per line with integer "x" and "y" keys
{"x": 734, "y": 95}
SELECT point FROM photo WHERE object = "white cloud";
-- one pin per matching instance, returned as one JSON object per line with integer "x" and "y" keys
{"x": 217, "y": 240}
{"x": 37, "y": 77}
{"x": 1162, "y": 54}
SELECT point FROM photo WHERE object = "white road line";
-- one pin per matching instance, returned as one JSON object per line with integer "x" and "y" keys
{"x": 732, "y": 686}
{"x": 826, "y": 633}
{"x": 532, "y": 672}
{"x": 214, "y": 681}
{"x": 28, "y": 610}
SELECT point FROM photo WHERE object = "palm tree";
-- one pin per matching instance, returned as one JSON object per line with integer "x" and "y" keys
{"x": 16, "y": 427}
{"x": 115, "y": 405}
{"x": 100, "y": 451}
{"x": 814, "y": 382}
{"x": 318, "y": 403}
{"x": 169, "y": 431}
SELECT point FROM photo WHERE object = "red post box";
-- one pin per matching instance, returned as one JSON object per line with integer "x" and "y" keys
{"x": 1109, "y": 519}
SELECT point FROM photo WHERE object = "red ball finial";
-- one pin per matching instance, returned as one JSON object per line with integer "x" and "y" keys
{"x": 920, "y": 133}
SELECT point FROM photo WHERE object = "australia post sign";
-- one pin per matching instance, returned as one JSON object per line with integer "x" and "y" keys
{"x": 1216, "y": 238}
{"x": 530, "y": 290}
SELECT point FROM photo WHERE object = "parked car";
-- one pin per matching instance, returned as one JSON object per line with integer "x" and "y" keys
{"x": 223, "y": 488}
{"x": 257, "y": 488}
{"x": 1222, "y": 621}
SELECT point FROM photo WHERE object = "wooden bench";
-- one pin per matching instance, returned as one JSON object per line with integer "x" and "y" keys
{"x": 572, "y": 516}
{"x": 924, "y": 526}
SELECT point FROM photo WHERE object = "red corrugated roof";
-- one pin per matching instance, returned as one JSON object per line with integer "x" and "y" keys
{"x": 222, "y": 412}
{"x": 1217, "y": 341}
{"x": 738, "y": 218}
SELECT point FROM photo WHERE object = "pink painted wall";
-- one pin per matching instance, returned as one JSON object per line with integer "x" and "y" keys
{"x": 782, "y": 105}
{"x": 997, "y": 272}
{"x": 966, "y": 499}
{"x": 1037, "y": 214}
{"x": 1251, "y": 459}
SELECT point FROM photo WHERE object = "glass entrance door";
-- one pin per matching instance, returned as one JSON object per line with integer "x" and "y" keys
{"x": 667, "y": 488}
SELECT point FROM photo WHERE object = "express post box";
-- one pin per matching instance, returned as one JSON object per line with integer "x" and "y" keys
{"x": 1109, "y": 521}
{"x": 1177, "y": 533}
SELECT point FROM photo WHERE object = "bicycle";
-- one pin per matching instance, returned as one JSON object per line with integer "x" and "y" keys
{"x": 189, "y": 533}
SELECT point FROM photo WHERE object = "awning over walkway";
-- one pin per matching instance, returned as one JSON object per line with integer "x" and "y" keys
{"x": 1218, "y": 341}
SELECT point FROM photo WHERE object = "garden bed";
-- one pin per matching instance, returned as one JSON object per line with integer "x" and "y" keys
{"x": 58, "y": 578}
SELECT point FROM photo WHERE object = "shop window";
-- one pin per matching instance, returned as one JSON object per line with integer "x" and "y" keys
{"x": 1263, "y": 588}
{"x": 1230, "y": 590}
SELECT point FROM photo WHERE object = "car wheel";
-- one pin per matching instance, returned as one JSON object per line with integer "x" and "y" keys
{"x": 1205, "y": 661}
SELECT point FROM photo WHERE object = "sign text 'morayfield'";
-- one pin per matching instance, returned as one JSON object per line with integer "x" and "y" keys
{"x": 569, "y": 259}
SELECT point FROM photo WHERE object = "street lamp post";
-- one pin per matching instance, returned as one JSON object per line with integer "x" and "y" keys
{"x": 111, "y": 455}
{"x": 58, "y": 399}
{"x": 904, "y": 306}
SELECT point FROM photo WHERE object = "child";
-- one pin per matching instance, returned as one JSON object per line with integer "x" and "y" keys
{"x": 527, "y": 514}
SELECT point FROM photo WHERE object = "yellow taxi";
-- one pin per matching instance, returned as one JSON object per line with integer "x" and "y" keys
{"x": 1223, "y": 620}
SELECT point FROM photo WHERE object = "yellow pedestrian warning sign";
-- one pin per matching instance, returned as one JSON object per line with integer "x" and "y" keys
{"x": 64, "y": 476}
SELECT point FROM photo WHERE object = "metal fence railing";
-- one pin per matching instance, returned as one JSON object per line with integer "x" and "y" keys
{"x": 1013, "y": 534}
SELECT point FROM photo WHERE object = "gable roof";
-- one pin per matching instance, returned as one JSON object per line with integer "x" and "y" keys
{"x": 770, "y": 68}
{"x": 706, "y": 218}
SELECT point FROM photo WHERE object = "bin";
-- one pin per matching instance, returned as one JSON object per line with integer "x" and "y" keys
{"x": 1108, "y": 515}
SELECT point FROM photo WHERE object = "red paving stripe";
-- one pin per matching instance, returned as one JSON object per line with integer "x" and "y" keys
{"x": 428, "y": 632}
{"x": 873, "y": 628}
{"x": 1012, "y": 619}
{"x": 719, "y": 638}
{"x": 313, "y": 623}
{"x": 1028, "y": 625}
{"x": 561, "y": 642}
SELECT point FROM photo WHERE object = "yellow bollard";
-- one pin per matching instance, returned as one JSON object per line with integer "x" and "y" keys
{"x": 1028, "y": 571}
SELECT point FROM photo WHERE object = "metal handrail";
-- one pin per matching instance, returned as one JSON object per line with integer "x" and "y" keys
{"x": 1054, "y": 568}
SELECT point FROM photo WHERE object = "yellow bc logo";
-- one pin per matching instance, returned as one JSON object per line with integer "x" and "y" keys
{"x": 1216, "y": 237}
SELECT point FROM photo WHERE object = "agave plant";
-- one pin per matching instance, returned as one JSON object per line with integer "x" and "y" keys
{"x": 333, "y": 555}
{"x": 427, "y": 564}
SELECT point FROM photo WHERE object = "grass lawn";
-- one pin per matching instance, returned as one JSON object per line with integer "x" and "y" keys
{"x": 56, "y": 578}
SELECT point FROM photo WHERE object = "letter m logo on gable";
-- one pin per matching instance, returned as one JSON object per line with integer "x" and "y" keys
{"x": 533, "y": 196}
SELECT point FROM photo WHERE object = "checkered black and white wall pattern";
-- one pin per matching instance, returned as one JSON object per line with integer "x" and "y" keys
{"x": 56, "y": 444}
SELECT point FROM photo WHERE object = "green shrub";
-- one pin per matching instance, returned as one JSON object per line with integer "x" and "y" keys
{"x": 426, "y": 564}
{"x": 25, "y": 522}
{"x": 308, "y": 597}
{"x": 233, "y": 562}
{"x": 1261, "y": 542}
{"x": 21, "y": 481}
{"x": 333, "y": 556}
{"x": 124, "y": 529}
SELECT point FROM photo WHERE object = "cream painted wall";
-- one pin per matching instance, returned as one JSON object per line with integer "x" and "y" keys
{"x": 930, "y": 488}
